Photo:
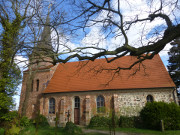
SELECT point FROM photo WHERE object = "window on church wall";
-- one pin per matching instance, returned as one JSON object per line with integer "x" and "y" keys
{"x": 100, "y": 104}
{"x": 77, "y": 102}
{"x": 37, "y": 83}
{"x": 149, "y": 98}
{"x": 62, "y": 105}
{"x": 51, "y": 106}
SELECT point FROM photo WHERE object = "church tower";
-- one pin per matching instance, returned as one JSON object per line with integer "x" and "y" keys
{"x": 42, "y": 54}
{"x": 38, "y": 75}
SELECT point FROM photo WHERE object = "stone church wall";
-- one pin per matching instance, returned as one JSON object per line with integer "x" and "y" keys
{"x": 127, "y": 102}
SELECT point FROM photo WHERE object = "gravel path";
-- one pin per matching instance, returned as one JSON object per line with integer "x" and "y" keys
{"x": 105, "y": 132}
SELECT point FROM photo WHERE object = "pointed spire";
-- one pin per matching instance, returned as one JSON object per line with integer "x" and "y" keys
{"x": 45, "y": 42}
{"x": 44, "y": 50}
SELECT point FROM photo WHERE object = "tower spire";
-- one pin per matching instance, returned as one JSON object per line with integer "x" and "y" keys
{"x": 45, "y": 42}
{"x": 42, "y": 52}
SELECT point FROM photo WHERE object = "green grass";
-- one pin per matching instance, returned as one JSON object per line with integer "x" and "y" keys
{"x": 43, "y": 131}
{"x": 50, "y": 131}
{"x": 143, "y": 131}
{"x": 148, "y": 132}
{"x": 94, "y": 134}
{"x": 1, "y": 131}
{"x": 61, "y": 131}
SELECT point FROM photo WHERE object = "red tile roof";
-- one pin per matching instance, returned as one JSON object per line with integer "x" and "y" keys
{"x": 82, "y": 76}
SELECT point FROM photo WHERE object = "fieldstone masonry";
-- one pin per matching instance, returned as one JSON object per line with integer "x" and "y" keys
{"x": 127, "y": 102}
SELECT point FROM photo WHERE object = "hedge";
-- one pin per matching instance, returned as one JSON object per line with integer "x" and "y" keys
{"x": 130, "y": 122}
{"x": 101, "y": 121}
{"x": 154, "y": 112}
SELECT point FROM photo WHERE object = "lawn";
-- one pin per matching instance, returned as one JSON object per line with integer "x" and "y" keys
{"x": 50, "y": 131}
{"x": 60, "y": 131}
{"x": 148, "y": 132}
{"x": 1, "y": 131}
{"x": 144, "y": 131}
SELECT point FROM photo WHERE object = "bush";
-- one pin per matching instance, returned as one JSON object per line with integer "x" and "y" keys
{"x": 14, "y": 130}
{"x": 130, "y": 122}
{"x": 25, "y": 122}
{"x": 154, "y": 112}
{"x": 101, "y": 121}
{"x": 9, "y": 116}
{"x": 41, "y": 121}
{"x": 12, "y": 126}
{"x": 71, "y": 128}
{"x": 98, "y": 121}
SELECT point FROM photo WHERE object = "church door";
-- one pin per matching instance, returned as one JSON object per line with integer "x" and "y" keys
{"x": 76, "y": 110}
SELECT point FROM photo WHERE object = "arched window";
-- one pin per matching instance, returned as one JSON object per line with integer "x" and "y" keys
{"x": 100, "y": 104}
{"x": 149, "y": 98}
{"x": 37, "y": 87}
{"x": 51, "y": 106}
{"x": 77, "y": 102}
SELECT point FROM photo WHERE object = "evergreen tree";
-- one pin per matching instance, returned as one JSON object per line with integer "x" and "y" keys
{"x": 174, "y": 62}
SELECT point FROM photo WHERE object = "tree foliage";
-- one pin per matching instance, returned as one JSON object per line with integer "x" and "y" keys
{"x": 154, "y": 112}
{"x": 12, "y": 22}
{"x": 174, "y": 62}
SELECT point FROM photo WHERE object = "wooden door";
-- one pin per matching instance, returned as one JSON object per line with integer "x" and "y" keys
{"x": 76, "y": 115}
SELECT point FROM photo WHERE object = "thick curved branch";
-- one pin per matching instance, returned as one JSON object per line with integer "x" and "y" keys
{"x": 165, "y": 17}
{"x": 153, "y": 48}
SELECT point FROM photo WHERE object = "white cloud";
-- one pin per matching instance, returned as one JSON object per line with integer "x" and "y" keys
{"x": 21, "y": 61}
{"x": 64, "y": 42}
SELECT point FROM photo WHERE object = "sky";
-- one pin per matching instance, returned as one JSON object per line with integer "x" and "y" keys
{"x": 95, "y": 37}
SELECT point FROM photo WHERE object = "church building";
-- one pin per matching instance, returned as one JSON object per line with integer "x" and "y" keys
{"x": 77, "y": 91}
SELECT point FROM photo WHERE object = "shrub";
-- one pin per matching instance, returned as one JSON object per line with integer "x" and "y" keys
{"x": 116, "y": 121}
{"x": 25, "y": 122}
{"x": 98, "y": 121}
{"x": 101, "y": 121}
{"x": 9, "y": 116}
{"x": 41, "y": 121}
{"x": 14, "y": 130}
{"x": 130, "y": 122}
{"x": 154, "y": 112}
{"x": 71, "y": 128}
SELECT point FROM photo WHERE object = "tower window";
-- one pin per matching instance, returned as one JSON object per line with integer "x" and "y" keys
{"x": 37, "y": 88}
{"x": 149, "y": 98}
{"x": 51, "y": 106}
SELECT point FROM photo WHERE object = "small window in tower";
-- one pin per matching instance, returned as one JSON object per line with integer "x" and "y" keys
{"x": 37, "y": 88}
{"x": 150, "y": 98}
